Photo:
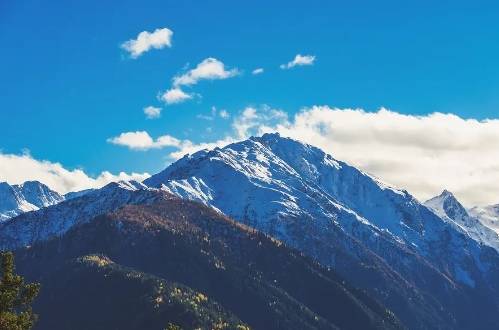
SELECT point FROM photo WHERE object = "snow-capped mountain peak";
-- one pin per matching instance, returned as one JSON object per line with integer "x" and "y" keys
{"x": 28, "y": 196}
{"x": 451, "y": 210}
{"x": 447, "y": 205}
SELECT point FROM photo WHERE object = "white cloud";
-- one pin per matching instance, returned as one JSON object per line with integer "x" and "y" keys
{"x": 146, "y": 41}
{"x": 299, "y": 60}
{"x": 16, "y": 169}
{"x": 224, "y": 114}
{"x": 141, "y": 140}
{"x": 257, "y": 71}
{"x": 208, "y": 69}
{"x": 152, "y": 112}
{"x": 175, "y": 95}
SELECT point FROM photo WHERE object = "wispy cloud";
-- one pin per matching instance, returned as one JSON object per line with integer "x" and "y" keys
{"x": 175, "y": 95}
{"x": 152, "y": 112}
{"x": 16, "y": 169}
{"x": 214, "y": 112}
{"x": 224, "y": 114}
{"x": 248, "y": 122}
{"x": 257, "y": 71}
{"x": 145, "y": 41}
{"x": 299, "y": 60}
{"x": 208, "y": 69}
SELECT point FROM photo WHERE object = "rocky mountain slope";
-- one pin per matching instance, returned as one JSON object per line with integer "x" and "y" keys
{"x": 29, "y": 196}
{"x": 179, "y": 261}
{"x": 381, "y": 238}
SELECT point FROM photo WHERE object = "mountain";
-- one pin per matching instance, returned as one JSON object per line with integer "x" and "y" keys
{"x": 448, "y": 208}
{"x": 382, "y": 239}
{"x": 29, "y": 196}
{"x": 28, "y": 228}
{"x": 424, "y": 267}
{"x": 488, "y": 215}
{"x": 171, "y": 260}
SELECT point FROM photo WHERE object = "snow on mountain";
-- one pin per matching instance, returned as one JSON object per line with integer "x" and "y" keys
{"x": 335, "y": 213}
{"x": 29, "y": 196}
{"x": 488, "y": 216}
{"x": 75, "y": 194}
{"x": 265, "y": 181}
{"x": 449, "y": 209}
{"x": 28, "y": 228}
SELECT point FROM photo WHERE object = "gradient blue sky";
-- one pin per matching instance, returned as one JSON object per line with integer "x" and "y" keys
{"x": 66, "y": 86}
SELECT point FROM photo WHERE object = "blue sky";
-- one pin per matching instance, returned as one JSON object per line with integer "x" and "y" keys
{"x": 66, "y": 86}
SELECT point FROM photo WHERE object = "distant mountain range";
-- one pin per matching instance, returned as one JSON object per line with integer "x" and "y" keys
{"x": 29, "y": 196}
{"x": 341, "y": 228}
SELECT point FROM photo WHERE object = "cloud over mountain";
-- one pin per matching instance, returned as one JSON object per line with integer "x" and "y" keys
{"x": 423, "y": 154}
{"x": 16, "y": 169}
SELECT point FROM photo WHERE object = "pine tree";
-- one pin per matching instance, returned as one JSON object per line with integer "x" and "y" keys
{"x": 15, "y": 297}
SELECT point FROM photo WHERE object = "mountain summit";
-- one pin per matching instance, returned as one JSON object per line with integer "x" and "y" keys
{"x": 29, "y": 196}
{"x": 343, "y": 218}
{"x": 447, "y": 207}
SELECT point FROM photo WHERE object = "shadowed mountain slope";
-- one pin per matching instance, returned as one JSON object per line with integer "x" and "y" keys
{"x": 258, "y": 279}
